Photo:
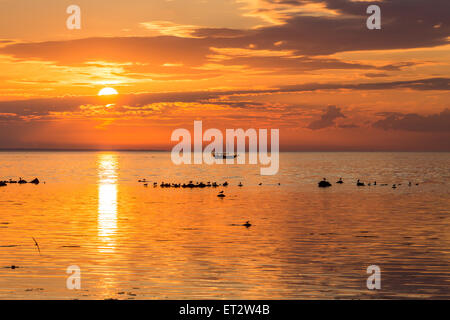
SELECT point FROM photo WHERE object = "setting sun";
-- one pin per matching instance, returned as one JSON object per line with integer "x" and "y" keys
{"x": 107, "y": 92}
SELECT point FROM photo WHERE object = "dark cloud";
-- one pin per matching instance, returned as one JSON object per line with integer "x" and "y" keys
{"x": 41, "y": 107}
{"x": 376, "y": 75}
{"x": 34, "y": 108}
{"x": 421, "y": 84}
{"x": 146, "y": 54}
{"x": 398, "y": 66}
{"x": 150, "y": 55}
{"x": 289, "y": 65}
{"x": 348, "y": 126}
{"x": 392, "y": 10}
{"x": 414, "y": 122}
{"x": 405, "y": 24}
{"x": 218, "y": 33}
{"x": 327, "y": 119}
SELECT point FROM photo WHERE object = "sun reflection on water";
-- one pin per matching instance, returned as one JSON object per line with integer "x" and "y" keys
{"x": 107, "y": 200}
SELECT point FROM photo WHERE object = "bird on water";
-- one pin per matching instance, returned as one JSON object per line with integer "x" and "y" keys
{"x": 247, "y": 224}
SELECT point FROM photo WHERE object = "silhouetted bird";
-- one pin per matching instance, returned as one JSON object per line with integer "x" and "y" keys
{"x": 394, "y": 186}
{"x": 340, "y": 181}
{"x": 324, "y": 183}
{"x": 221, "y": 195}
{"x": 247, "y": 224}
{"x": 360, "y": 184}
{"x": 240, "y": 184}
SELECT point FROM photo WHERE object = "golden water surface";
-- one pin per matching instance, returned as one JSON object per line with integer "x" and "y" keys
{"x": 136, "y": 242}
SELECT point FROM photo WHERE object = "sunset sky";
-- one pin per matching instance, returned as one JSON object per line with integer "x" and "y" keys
{"x": 308, "y": 67}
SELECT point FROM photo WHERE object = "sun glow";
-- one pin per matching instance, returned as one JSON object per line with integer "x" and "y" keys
{"x": 107, "y": 92}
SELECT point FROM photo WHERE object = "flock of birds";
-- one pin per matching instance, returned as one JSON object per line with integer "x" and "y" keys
{"x": 190, "y": 185}
{"x": 325, "y": 184}
{"x": 20, "y": 181}
{"x": 201, "y": 185}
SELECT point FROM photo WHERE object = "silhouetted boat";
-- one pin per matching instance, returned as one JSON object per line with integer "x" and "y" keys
{"x": 224, "y": 155}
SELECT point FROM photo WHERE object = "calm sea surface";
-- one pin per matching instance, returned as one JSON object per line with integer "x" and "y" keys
{"x": 132, "y": 242}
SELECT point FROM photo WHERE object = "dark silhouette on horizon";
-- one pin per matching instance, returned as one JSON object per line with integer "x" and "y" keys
{"x": 324, "y": 183}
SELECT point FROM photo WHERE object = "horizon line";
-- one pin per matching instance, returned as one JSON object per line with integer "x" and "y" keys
{"x": 168, "y": 150}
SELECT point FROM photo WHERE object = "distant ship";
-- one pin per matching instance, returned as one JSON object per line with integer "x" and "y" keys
{"x": 224, "y": 155}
